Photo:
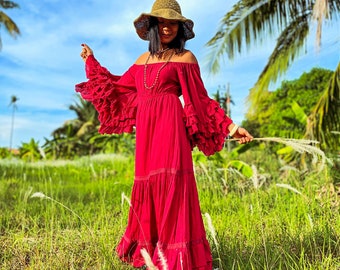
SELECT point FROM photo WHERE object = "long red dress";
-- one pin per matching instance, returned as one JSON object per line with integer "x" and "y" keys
{"x": 165, "y": 216}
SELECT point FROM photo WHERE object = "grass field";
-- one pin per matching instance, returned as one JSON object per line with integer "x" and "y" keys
{"x": 71, "y": 214}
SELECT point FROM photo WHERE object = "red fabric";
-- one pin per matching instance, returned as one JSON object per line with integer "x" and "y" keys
{"x": 114, "y": 97}
{"x": 165, "y": 213}
{"x": 206, "y": 122}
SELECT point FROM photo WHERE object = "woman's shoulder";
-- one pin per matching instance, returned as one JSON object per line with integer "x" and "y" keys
{"x": 186, "y": 57}
{"x": 183, "y": 57}
{"x": 142, "y": 58}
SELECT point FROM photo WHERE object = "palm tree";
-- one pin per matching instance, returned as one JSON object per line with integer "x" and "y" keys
{"x": 14, "y": 99}
{"x": 250, "y": 22}
{"x": 6, "y": 21}
{"x": 73, "y": 138}
{"x": 86, "y": 121}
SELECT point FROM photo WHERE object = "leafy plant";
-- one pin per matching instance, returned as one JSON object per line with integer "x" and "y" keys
{"x": 30, "y": 151}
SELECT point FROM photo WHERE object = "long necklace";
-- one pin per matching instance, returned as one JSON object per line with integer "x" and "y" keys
{"x": 158, "y": 72}
{"x": 163, "y": 51}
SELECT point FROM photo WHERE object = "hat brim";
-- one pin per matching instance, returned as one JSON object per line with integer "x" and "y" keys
{"x": 142, "y": 23}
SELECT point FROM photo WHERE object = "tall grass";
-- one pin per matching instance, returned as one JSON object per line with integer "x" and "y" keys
{"x": 289, "y": 220}
{"x": 77, "y": 228}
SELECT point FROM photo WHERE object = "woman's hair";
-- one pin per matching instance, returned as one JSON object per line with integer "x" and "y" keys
{"x": 154, "y": 41}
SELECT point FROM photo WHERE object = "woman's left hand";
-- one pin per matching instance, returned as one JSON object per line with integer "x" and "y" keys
{"x": 243, "y": 135}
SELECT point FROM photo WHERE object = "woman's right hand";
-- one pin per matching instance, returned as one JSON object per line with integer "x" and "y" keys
{"x": 85, "y": 52}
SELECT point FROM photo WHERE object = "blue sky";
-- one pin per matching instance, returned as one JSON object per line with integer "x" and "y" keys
{"x": 42, "y": 65}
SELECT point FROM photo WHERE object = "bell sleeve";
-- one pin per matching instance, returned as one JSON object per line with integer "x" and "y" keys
{"x": 114, "y": 97}
{"x": 206, "y": 122}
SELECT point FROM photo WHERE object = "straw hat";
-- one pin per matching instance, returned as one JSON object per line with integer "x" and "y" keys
{"x": 167, "y": 9}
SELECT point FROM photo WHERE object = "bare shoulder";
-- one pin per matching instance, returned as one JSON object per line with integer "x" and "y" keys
{"x": 142, "y": 58}
{"x": 186, "y": 57}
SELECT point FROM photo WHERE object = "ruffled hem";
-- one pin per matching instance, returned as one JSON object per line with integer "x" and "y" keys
{"x": 129, "y": 251}
{"x": 194, "y": 255}
{"x": 207, "y": 134}
{"x": 114, "y": 101}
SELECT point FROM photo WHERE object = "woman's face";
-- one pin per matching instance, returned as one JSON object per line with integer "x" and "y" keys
{"x": 167, "y": 30}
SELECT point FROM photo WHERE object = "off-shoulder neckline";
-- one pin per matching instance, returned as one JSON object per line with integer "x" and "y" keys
{"x": 171, "y": 62}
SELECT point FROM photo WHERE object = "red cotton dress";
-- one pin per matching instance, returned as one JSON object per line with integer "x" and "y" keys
{"x": 165, "y": 217}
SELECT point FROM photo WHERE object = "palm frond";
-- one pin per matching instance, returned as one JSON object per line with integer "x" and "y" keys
{"x": 330, "y": 11}
{"x": 320, "y": 13}
{"x": 289, "y": 45}
{"x": 8, "y": 4}
{"x": 250, "y": 23}
{"x": 84, "y": 110}
{"x": 230, "y": 37}
{"x": 325, "y": 117}
{"x": 334, "y": 9}
{"x": 9, "y": 24}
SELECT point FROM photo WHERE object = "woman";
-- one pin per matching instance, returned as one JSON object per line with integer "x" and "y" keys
{"x": 165, "y": 217}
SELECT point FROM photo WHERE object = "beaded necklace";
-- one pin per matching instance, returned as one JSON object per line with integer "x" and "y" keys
{"x": 158, "y": 72}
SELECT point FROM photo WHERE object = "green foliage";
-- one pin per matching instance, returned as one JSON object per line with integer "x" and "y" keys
{"x": 4, "y": 153}
{"x": 242, "y": 167}
{"x": 284, "y": 112}
{"x": 30, "y": 151}
{"x": 80, "y": 137}
{"x": 325, "y": 117}
{"x": 299, "y": 113}
{"x": 72, "y": 139}
{"x": 115, "y": 143}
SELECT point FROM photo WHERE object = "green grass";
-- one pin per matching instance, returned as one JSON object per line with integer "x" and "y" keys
{"x": 79, "y": 225}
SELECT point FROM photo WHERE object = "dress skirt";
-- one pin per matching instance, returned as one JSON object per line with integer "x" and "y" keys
{"x": 165, "y": 217}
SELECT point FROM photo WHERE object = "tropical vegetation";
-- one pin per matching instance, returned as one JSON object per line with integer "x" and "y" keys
{"x": 253, "y": 22}
{"x": 324, "y": 120}
{"x": 79, "y": 136}
{"x": 285, "y": 111}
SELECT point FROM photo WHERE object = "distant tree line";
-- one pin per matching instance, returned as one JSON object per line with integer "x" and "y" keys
{"x": 284, "y": 113}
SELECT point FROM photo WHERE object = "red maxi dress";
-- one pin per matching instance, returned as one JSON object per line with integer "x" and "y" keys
{"x": 165, "y": 216}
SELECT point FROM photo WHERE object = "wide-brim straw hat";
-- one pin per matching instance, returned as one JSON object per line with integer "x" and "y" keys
{"x": 167, "y": 9}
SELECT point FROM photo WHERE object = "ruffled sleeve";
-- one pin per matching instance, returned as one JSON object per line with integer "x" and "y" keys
{"x": 206, "y": 121}
{"x": 114, "y": 97}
